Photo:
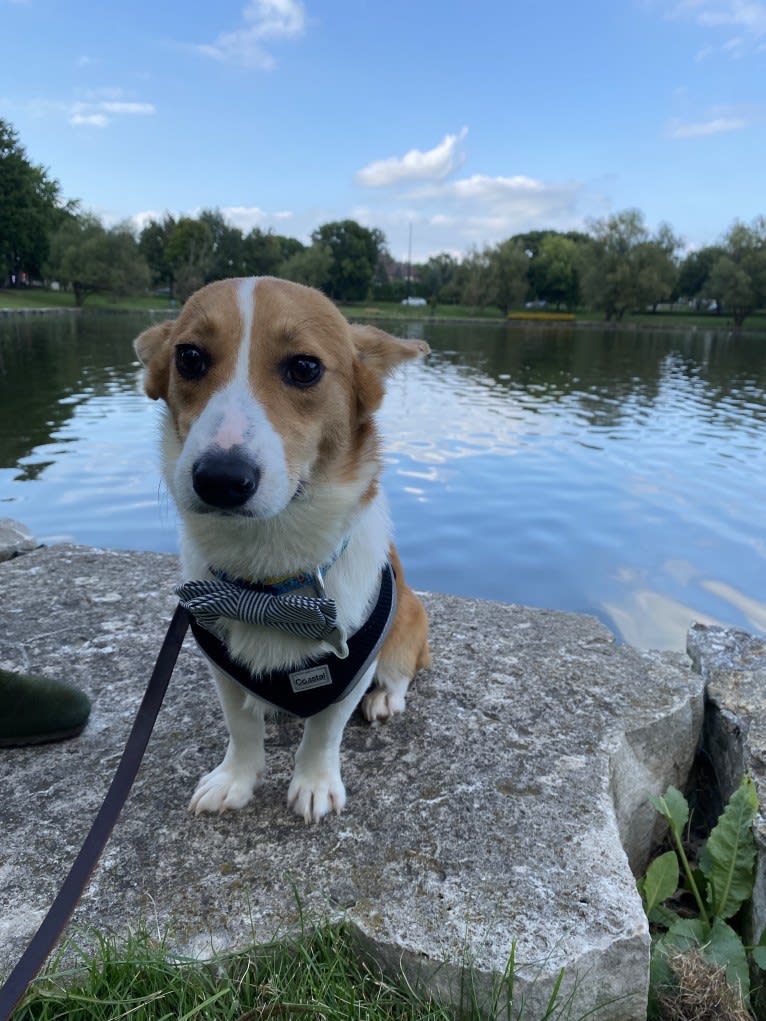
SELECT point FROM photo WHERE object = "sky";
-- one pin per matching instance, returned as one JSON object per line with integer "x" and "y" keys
{"x": 453, "y": 124}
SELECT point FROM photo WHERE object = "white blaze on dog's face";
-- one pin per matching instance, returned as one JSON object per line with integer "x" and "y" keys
{"x": 270, "y": 392}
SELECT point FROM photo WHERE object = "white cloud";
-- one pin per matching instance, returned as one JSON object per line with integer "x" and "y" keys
{"x": 248, "y": 217}
{"x": 100, "y": 114}
{"x": 140, "y": 220}
{"x": 745, "y": 17}
{"x": 736, "y": 47}
{"x": 714, "y": 126}
{"x": 243, "y": 217}
{"x": 91, "y": 120}
{"x": 264, "y": 21}
{"x": 129, "y": 108}
{"x": 433, "y": 164}
{"x": 502, "y": 198}
{"x": 478, "y": 210}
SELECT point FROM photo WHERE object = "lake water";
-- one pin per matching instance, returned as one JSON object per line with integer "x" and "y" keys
{"x": 618, "y": 473}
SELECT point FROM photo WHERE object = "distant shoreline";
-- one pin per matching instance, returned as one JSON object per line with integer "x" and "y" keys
{"x": 659, "y": 321}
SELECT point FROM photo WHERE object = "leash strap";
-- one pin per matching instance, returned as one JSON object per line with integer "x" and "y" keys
{"x": 66, "y": 900}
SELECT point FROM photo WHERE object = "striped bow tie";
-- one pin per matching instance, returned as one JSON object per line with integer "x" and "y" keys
{"x": 304, "y": 616}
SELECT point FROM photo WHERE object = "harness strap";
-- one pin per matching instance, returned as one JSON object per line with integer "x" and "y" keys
{"x": 66, "y": 899}
{"x": 317, "y": 683}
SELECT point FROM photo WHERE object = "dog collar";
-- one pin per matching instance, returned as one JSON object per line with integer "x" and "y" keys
{"x": 282, "y": 584}
{"x": 316, "y": 683}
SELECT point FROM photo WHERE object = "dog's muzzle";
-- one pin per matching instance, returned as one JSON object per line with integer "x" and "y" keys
{"x": 225, "y": 478}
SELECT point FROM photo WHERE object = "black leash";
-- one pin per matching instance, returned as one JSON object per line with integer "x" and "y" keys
{"x": 66, "y": 900}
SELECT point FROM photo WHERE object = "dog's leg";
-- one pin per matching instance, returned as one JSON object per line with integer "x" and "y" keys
{"x": 231, "y": 784}
{"x": 316, "y": 786}
{"x": 404, "y": 652}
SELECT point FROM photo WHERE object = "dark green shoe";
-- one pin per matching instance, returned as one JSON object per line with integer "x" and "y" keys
{"x": 34, "y": 710}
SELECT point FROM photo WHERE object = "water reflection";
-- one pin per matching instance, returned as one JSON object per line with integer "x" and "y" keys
{"x": 617, "y": 473}
{"x": 598, "y": 461}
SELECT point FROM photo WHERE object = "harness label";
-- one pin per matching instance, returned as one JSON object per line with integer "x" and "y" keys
{"x": 314, "y": 677}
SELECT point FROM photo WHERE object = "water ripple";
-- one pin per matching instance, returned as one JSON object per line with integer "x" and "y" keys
{"x": 617, "y": 474}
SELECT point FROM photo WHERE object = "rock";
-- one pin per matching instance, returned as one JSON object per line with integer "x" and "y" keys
{"x": 503, "y": 809}
{"x": 15, "y": 538}
{"x": 732, "y": 664}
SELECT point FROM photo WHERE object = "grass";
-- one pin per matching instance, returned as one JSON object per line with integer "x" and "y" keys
{"x": 657, "y": 320}
{"x": 35, "y": 298}
{"x": 319, "y": 975}
{"x": 395, "y": 310}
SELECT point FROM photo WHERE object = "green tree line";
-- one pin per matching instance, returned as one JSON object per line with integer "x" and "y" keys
{"x": 617, "y": 266}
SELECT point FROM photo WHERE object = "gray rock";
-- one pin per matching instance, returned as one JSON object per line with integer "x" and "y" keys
{"x": 505, "y": 807}
{"x": 15, "y": 538}
{"x": 732, "y": 664}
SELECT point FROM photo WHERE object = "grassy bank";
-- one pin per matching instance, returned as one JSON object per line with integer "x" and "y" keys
{"x": 583, "y": 317}
{"x": 316, "y": 977}
{"x": 319, "y": 975}
{"x": 37, "y": 298}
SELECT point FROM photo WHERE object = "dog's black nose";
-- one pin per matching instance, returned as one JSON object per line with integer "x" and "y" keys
{"x": 224, "y": 478}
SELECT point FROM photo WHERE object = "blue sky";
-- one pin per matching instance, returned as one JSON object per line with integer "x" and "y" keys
{"x": 471, "y": 120}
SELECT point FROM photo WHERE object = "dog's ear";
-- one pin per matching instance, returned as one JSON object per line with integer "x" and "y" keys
{"x": 154, "y": 350}
{"x": 378, "y": 354}
{"x": 382, "y": 352}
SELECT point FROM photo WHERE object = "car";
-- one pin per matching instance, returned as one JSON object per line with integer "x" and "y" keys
{"x": 414, "y": 301}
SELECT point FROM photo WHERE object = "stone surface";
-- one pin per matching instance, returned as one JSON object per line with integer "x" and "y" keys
{"x": 507, "y": 803}
{"x": 15, "y": 538}
{"x": 732, "y": 664}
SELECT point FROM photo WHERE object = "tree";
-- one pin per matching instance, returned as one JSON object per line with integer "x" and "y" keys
{"x": 531, "y": 241}
{"x": 228, "y": 247}
{"x": 355, "y": 251}
{"x": 90, "y": 259}
{"x": 474, "y": 279}
{"x": 438, "y": 276}
{"x": 264, "y": 252}
{"x": 508, "y": 279}
{"x": 626, "y": 268}
{"x": 554, "y": 270}
{"x": 737, "y": 278}
{"x": 30, "y": 209}
{"x": 189, "y": 252}
{"x": 658, "y": 267}
{"x": 732, "y": 288}
{"x": 694, "y": 271}
{"x": 152, "y": 244}
{"x": 747, "y": 246}
{"x": 310, "y": 266}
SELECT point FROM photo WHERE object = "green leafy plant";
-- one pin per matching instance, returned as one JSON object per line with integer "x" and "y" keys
{"x": 719, "y": 885}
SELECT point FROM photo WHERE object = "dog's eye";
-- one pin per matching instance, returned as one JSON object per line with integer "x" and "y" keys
{"x": 302, "y": 371}
{"x": 191, "y": 361}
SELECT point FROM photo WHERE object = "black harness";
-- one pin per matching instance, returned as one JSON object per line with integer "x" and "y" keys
{"x": 316, "y": 683}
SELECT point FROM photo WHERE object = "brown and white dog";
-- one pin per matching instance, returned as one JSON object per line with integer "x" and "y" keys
{"x": 271, "y": 453}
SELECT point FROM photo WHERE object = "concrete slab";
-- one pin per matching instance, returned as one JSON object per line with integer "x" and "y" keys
{"x": 507, "y": 804}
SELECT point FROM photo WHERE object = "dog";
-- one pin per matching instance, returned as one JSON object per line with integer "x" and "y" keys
{"x": 272, "y": 456}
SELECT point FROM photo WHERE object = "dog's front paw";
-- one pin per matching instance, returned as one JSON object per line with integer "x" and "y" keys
{"x": 223, "y": 788}
{"x": 380, "y": 704}
{"x": 314, "y": 795}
